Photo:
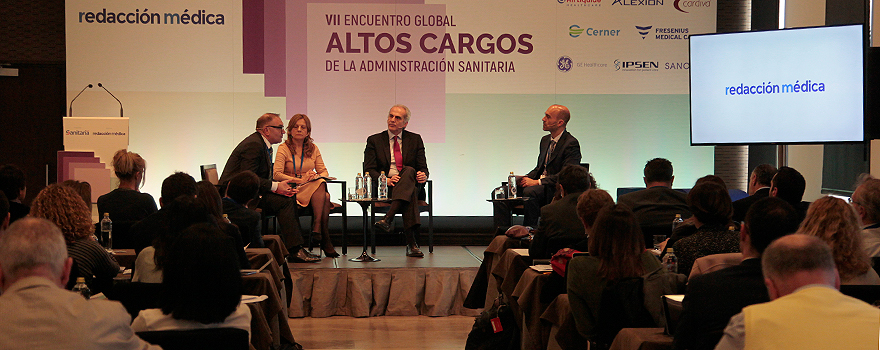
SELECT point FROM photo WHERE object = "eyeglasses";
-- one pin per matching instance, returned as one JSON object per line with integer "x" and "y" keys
{"x": 279, "y": 127}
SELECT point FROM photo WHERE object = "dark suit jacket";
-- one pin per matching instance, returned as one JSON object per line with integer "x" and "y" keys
{"x": 711, "y": 300}
{"x": 741, "y": 207}
{"x": 247, "y": 220}
{"x": 17, "y": 211}
{"x": 250, "y": 154}
{"x": 656, "y": 205}
{"x": 567, "y": 151}
{"x": 143, "y": 232}
{"x": 560, "y": 227}
{"x": 377, "y": 154}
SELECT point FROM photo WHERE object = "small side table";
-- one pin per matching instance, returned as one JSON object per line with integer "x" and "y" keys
{"x": 366, "y": 203}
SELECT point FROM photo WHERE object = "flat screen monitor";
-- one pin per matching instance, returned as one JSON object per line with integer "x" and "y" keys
{"x": 790, "y": 86}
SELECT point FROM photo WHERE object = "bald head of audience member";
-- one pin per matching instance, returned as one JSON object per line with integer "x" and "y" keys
{"x": 866, "y": 201}
{"x": 588, "y": 206}
{"x": 789, "y": 185}
{"x": 33, "y": 247}
{"x": 797, "y": 260}
{"x": 767, "y": 219}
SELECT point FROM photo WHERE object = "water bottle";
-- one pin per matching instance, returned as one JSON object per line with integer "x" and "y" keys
{"x": 383, "y": 186}
{"x": 676, "y": 222}
{"x": 511, "y": 186}
{"x": 107, "y": 232}
{"x": 670, "y": 261}
{"x": 368, "y": 185}
{"x": 226, "y": 219}
{"x": 82, "y": 288}
{"x": 359, "y": 187}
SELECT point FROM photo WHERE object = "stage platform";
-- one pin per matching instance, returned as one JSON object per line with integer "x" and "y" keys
{"x": 435, "y": 285}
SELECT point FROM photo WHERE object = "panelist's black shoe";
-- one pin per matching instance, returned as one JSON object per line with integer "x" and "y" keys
{"x": 383, "y": 225}
{"x": 413, "y": 251}
{"x": 302, "y": 256}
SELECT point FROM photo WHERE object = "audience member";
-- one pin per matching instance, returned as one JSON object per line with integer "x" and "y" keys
{"x": 710, "y": 203}
{"x": 254, "y": 153}
{"x": 126, "y": 204}
{"x": 835, "y": 222}
{"x": 241, "y": 190}
{"x": 866, "y": 201}
{"x": 759, "y": 187}
{"x": 37, "y": 312}
{"x": 13, "y": 185}
{"x": 617, "y": 250}
{"x": 202, "y": 286}
{"x": 658, "y": 203}
{"x": 790, "y": 185}
{"x": 66, "y": 209}
{"x": 560, "y": 226}
{"x": 807, "y": 311}
{"x": 4, "y": 212}
{"x": 711, "y": 299}
{"x": 209, "y": 197}
{"x": 556, "y": 150}
{"x": 588, "y": 206}
{"x": 145, "y": 231}
{"x": 687, "y": 227}
{"x": 83, "y": 189}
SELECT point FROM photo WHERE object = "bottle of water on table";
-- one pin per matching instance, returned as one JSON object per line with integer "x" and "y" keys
{"x": 383, "y": 186}
{"x": 368, "y": 186}
{"x": 511, "y": 186}
{"x": 107, "y": 232}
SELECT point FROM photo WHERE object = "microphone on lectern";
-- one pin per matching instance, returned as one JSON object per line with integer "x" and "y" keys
{"x": 70, "y": 108}
{"x": 111, "y": 94}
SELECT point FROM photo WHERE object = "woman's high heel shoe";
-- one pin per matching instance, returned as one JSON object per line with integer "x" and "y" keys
{"x": 327, "y": 247}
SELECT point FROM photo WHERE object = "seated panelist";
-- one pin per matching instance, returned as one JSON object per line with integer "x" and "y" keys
{"x": 299, "y": 162}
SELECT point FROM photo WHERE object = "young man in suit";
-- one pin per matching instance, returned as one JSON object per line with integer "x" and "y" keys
{"x": 254, "y": 153}
{"x": 556, "y": 150}
{"x": 401, "y": 155}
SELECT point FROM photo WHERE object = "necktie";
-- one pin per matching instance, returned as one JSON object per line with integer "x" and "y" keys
{"x": 270, "y": 155}
{"x": 398, "y": 157}
{"x": 549, "y": 152}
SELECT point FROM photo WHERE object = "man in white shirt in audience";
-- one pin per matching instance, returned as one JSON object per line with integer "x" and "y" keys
{"x": 37, "y": 312}
{"x": 866, "y": 201}
{"x": 807, "y": 311}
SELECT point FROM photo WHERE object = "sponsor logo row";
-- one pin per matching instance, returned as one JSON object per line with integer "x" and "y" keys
{"x": 645, "y": 32}
{"x": 685, "y": 6}
{"x": 566, "y": 64}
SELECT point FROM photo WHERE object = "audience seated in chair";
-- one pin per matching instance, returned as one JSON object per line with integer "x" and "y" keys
{"x": 835, "y": 222}
{"x": 759, "y": 187}
{"x": 806, "y": 311}
{"x": 145, "y": 231}
{"x": 126, "y": 204}
{"x": 617, "y": 252}
{"x": 201, "y": 286}
{"x": 658, "y": 203}
{"x": 711, "y": 299}
{"x": 790, "y": 185}
{"x": 710, "y": 203}
{"x": 37, "y": 312}
{"x": 13, "y": 185}
{"x": 241, "y": 190}
{"x": 866, "y": 201}
{"x": 560, "y": 226}
{"x": 66, "y": 209}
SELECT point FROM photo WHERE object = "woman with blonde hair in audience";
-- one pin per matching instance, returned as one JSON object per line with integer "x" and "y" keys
{"x": 127, "y": 204}
{"x": 64, "y": 207}
{"x": 836, "y": 222}
{"x": 617, "y": 251}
